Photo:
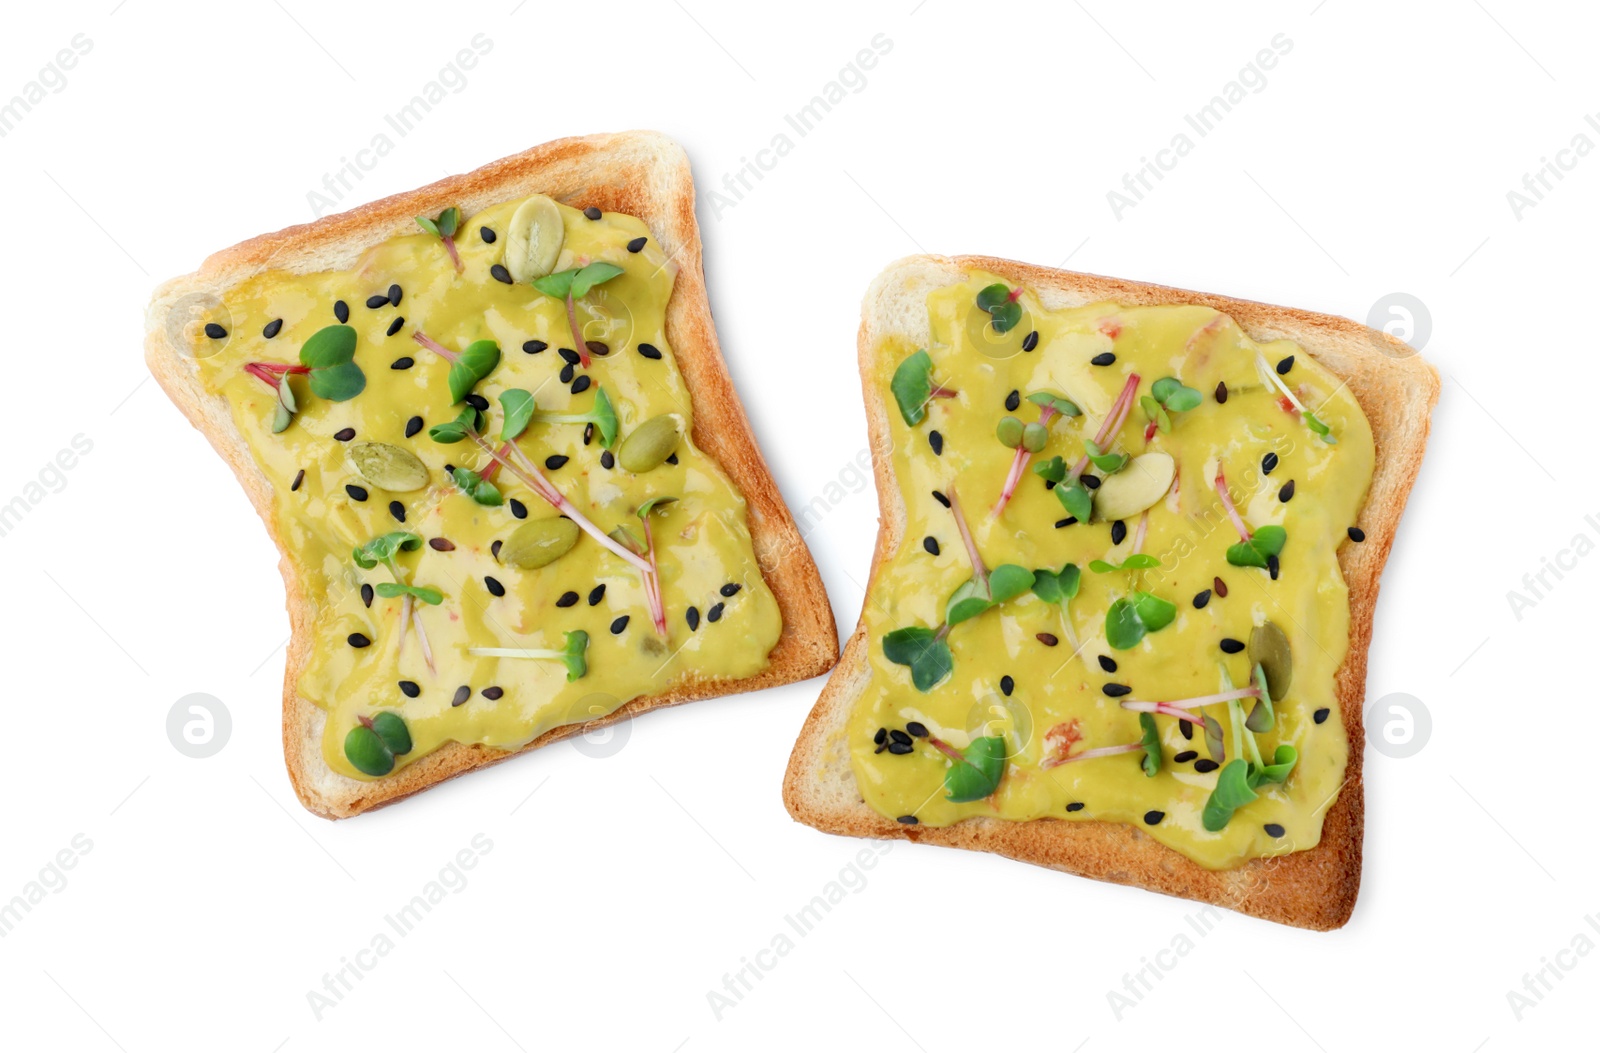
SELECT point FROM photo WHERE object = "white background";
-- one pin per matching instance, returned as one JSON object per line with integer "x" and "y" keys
{"x": 1376, "y": 159}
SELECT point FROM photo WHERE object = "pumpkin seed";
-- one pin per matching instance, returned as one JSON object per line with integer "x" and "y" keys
{"x": 533, "y": 239}
{"x": 539, "y": 542}
{"x": 1269, "y": 648}
{"x": 1144, "y": 481}
{"x": 388, "y": 467}
{"x": 651, "y": 443}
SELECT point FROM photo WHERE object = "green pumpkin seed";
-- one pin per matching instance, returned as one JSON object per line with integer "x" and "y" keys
{"x": 388, "y": 467}
{"x": 1269, "y": 648}
{"x": 366, "y": 751}
{"x": 391, "y": 728}
{"x": 651, "y": 443}
{"x": 539, "y": 542}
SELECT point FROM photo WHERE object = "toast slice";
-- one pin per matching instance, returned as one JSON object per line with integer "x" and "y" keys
{"x": 640, "y": 174}
{"x": 1313, "y": 888}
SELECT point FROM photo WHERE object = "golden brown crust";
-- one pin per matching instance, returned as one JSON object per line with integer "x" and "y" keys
{"x": 1314, "y": 889}
{"x": 643, "y": 174}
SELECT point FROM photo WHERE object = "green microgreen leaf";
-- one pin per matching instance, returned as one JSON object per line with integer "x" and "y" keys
{"x": 654, "y": 504}
{"x": 1156, "y": 412}
{"x": 1049, "y": 399}
{"x": 1076, "y": 499}
{"x": 1009, "y": 431}
{"x": 1213, "y": 734}
{"x": 1151, "y": 741}
{"x": 385, "y": 547}
{"x": 329, "y": 353}
{"x": 912, "y": 385}
{"x": 1053, "y": 470}
{"x": 471, "y": 366}
{"x": 477, "y": 487}
{"x": 1008, "y": 581}
{"x": 449, "y": 222}
{"x": 628, "y": 540}
{"x": 977, "y": 774}
{"x": 1262, "y": 718}
{"x": 390, "y": 589}
{"x": 1232, "y": 792}
{"x": 602, "y": 415}
{"x": 429, "y": 226}
{"x": 557, "y": 283}
{"x": 1004, "y": 311}
{"x": 924, "y": 651}
{"x": 1264, "y": 541}
{"x": 992, "y": 296}
{"x": 284, "y": 408}
{"x": 468, "y": 420}
{"x": 574, "y": 654}
{"x": 1108, "y": 463}
{"x": 1137, "y": 561}
{"x": 594, "y": 274}
{"x": 1284, "y": 759}
{"x": 1132, "y": 616}
{"x": 1060, "y": 586}
{"x": 516, "y": 411}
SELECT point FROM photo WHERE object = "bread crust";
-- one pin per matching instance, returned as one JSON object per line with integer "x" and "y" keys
{"x": 1315, "y": 888}
{"x": 641, "y": 173}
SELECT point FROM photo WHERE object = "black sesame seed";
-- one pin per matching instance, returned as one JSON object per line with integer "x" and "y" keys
{"x": 731, "y": 589}
{"x": 636, "y": 244}
{"x": 397, "y": 510}
{"x": 1273, "y": 829}
{"x": 1202, "y": 598}
{"x": 1186, "y": 729}
{"x": 568, "y": 599}
{"x": 1152, "y": 817}
{"x": 1065, "y": 522}
{"x": 441, "y": 544}
{"x": 1221, "y": 392}
{"x": 345, "y": 434}
{"x": 1285, "y": 364}
{"x": 650, "y": 351}
{"x": 1007, "y": 685}
{"x": 1269, "y": 462}
{"x": 937, "y": 442}
{"x": 597, "y": 347}
{"x": 1272, "y": 567}
{"x": 1105, "y": 358}
{"x": 357, "y": 493}
{"x": 494, "y": 549}
{"x": 487, "y": 234}
{"x": 900, "y": 749}
{"x": 881, "y": 747}
{"x": 341, "y": 311}
{"x": 588, "y": 433}
{"x": 518, "y": 509}
{"x": 714, "y": 614}
{"x": 1108, "y": 663}
{"x": 880, "y": 737}
{"x": 395, "y": 293}
{"x": 899, "y": 736}
{"x": 1048, "y": 639}
{"x": 533, "y": 347}
{"x": 1205, "y": 765}
{"x": 357, "y": 640}
{"x": 1119, "y": 531}
{"x": 672, "y": 458}
{"x": 607, "y": 461}
{"x": 1219, "y": 587}
{"x": 1185, "y": 757}
{"x": 403, "y": 362}
{"x": 1357, "y": 534}
{"x": 1320, "y": 715}
{"x": 597, "y": 594}
{"x": 692, "y": 616}
{"x": 493, "y": 693}
{"x": 299, "y": 477}
{"x": 568, "y": 355}
{"x": 394, "y": 326}
{"x": 556, "y": 460}
{"x": 409, "y": 688}
{"x": 366, "y": 594}
{"x": 1075, "y": 806}
{"x": 413, "y": 426}
{"x": 376, "y": 301}
{"x": 1231, "y": 646}
{"x": 462, "y": 694}
{"x": 1287, "y": 492}
{"x": 592, "y": 212}
{"x": 215, "y": 331}
{"x": 1091, "y": 481}
{"x": 1117, "y": 690}
{"x": 499, "y": 273}
{"x": 581, "y": 385}
{"x": 1030, "y": 341}
{"x": 941, "y": 498}
{"x": 494, "y": 586}
{"x": 272, "y": 328}
{"x": 917, "y": 729}
{"x": 477, "y": 402}
{"x": 908, "y": 820}
{"x": 566, "y": 374}
{"x": 930, "y": 545}
{"x": 1014, "y": 399}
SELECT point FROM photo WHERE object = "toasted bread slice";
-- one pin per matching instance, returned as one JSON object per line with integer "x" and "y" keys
{"x": 642, "y": 174}
{"x": 1315, "y": 888}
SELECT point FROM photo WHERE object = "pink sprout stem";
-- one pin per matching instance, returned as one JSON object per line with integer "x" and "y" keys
{"x": 422, "y": 640}
{"x": 579, "y": 344}
{"x": 1102, "y": 751}
{"x": 455, "y": 257}
{"x": 979, "y": 571}
{"x": 1113, "y": 422}
{"x": 652, "y": 583}
{"x": 1138, "y": 534}
{"x": 433, "y": 345}
{"x": 1221, "y": 484}
{"x": 1019, "y": 464}
{"x": 1182, "y": 707}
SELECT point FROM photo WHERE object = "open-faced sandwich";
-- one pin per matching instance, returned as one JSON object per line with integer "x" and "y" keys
{"x": 489, "y": 427}
{"x": 1118, "y": 616}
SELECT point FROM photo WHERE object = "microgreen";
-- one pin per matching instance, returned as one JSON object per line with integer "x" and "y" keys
{"x": 573, "y": 655}
{"x": 1130, "y": 617}
{"x": 913, "y": 387}
{"x": 1293, "y": 404}
{"x": 647, "y": 549}
{"x": 572, "y": 285}
{"x": 1001, "y": 304}
{"x": 477, "y": 487}
{"x": 444, "y": 227}
{"x": 520, "y": 411}
{"x": 974, "y": 772}
{"x": 373, "y": 744}
{"x": 1261, "y": 717}
{"x": 1137, "y": 561}
{"x": 1029, "y": 439}
{"x": 383, "y": 549}
{"x": 1060, "y": 587}
{"x": 466, "y": 367}
{"x": 1258, "y": 548}
{"x": 1076, "y": 498}
{"x": 1063, "y": 737}
{"x": 1107, "y": 462}
{"x": 975, "y": 596}
{"x": 327, "y": 361}
{"x": 1237, "y": 784}
{"x": 1167, "y": 396}
{"x": 390, "y": 589}
{"x": 923, "y": 650}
